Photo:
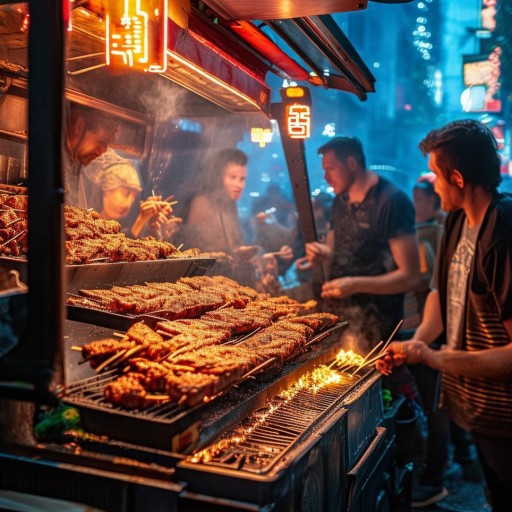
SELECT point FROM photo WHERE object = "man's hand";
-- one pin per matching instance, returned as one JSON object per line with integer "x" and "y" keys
{"x": 400, "y": 352}
{"x": 339, "y": 288}
{"x": 316, "y": 252}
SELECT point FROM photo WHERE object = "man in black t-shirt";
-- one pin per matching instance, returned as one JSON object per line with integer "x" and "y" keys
{"x": 371, "y": 249}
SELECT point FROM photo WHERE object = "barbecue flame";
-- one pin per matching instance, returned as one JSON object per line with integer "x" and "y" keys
{"x": 315, "y": 381}
{"x": 238, "y": 437}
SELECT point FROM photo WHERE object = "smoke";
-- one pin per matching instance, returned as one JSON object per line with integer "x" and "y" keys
{"x": 364, "y": 329}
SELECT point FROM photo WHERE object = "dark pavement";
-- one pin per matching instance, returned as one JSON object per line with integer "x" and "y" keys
{"x": 463, "y": 495}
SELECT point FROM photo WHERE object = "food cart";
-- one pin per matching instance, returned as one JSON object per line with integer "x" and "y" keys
{"x": 327, "y": 450}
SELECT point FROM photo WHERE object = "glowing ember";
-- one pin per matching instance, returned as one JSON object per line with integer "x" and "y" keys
{"x": 237, "y": 437}
{"x": 315, "y": 381}
{"x": 348, "y": 359}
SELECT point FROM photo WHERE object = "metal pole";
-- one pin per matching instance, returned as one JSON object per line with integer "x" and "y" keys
{"x": 45, "y": 232}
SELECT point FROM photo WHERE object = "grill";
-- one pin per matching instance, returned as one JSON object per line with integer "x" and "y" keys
{"x": 294, "y": 452}
{"x": 173, "y": 427}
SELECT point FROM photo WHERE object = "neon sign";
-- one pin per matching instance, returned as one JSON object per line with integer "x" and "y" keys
{"x": 262, "y": 136}
{"x": 297, "y": 112}
{"x": 136, "y": 34}
{"x": 488, "y": 14}
{"x": 298, "y": 121}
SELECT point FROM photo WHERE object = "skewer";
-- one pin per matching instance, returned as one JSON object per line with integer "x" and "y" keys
{"x": 179, "y": 247}
{"x": 157, "y": 397}
{"x": 371, "y": 361}
{"x": 372, "y": 351}
{"x": 110, "y": 360}
{"x": 130, "y": 352}
{"x": 6, "y": 208}
{"x": 23, "y": 231}
{"x": 76, "y": 348}
{"x": 17, "y": 219}
{"x": 258, "y": 368}
{"x": 392, "y": 335}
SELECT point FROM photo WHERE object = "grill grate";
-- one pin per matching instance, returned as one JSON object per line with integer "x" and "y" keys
{"x": 91, "y": 391}
{"x": 269, "y": 433}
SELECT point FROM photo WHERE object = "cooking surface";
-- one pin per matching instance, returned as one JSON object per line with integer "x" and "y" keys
{"x": 169, "y": 425}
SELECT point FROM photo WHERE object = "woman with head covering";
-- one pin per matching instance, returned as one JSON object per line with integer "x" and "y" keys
{"x": 119, "y": 185}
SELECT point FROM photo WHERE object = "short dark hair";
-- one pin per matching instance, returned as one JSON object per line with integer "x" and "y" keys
{"x": 468, "y": 146}
{"x": 221, "y": 159}
{"x": 344, "y": 147}
{"x": 94, "y": 119}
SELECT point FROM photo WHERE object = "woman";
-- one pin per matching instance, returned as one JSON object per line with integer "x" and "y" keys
{"x": 118, "y": 184}
{"x": 213, "y": 223}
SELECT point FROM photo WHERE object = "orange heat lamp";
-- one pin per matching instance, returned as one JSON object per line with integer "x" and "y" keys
{"x": 297, "y": 112}
{"x": 136, "y": 34}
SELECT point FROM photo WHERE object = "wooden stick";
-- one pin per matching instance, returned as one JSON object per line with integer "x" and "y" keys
{"x": 23, "y": 231}
{"x": 12, "y": 222}
{"x": 258, "y": 368}
{"x": 179, "y": 247}
{"x": 109, "y": 360}
{"x": 371, "y": 361}
{"x": 392, "y": 335}
{"x": 157, "y": 397}
{"x": 76, "y": 348}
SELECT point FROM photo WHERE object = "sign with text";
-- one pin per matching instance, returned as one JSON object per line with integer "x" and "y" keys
{"x": 297, "y": 113}
{"x": 136, "y": 34}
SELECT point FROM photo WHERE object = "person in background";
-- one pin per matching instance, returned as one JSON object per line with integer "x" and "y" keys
{"x": 118, "y": 186}
{"x": 212, "y": 219}
{"x": 472, "y": 302}
{"x": 87, "y": 135}
{"x": 429, "y": 228}
{"x": 428, "y": 487}
{"x": 371, "y": 253}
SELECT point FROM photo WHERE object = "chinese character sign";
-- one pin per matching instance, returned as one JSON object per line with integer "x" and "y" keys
{"x": 137, "y": 34}
{"x": 298, "y": 121}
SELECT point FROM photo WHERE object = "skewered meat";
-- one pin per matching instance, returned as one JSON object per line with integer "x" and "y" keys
{"x": 192, "y": 388}
{"x": 100, "y": 350}
{"x": 128, "y": 391}
{"x": 143, "y": 334}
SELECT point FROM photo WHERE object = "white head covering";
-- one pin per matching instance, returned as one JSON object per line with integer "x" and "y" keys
{"x": 110, "y": 171}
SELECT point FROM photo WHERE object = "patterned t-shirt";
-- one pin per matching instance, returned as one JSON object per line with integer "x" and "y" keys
{"x": 460, "y": 267}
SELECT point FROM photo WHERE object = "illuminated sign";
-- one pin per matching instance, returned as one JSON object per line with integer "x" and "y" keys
{"x": 482, "y": 79}
{"x": 262, "y": 136}
{"x": 297, "y": 114}
{"x": 488, "y": 14}
{"x": 136, "y": 34}
{"x": 298, "y": 121}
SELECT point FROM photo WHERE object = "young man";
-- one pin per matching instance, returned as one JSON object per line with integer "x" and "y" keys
{"x": 87, "y": 136}
{"x": 473, "y": 300}
{"x": 371, "y": 247}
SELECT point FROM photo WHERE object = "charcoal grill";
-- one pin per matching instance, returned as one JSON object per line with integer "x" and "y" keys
{"x": 173, "y": 427}
{"x": 294, "y": 451}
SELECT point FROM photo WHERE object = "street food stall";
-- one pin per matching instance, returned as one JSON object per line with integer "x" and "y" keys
{"x": 193, "y": 391}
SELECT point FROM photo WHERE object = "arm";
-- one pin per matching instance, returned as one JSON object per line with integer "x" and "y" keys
{"x": 404, "y": 278}
{"x": 494, "y": 364}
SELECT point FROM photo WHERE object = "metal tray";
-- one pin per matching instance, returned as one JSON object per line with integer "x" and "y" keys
{"x": 101, "y": 275}
{"x": 180, "y": 429}
{"x": 109, "y": 319}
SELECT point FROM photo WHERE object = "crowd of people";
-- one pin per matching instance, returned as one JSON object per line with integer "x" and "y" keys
{"x": 441, "y": 261}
